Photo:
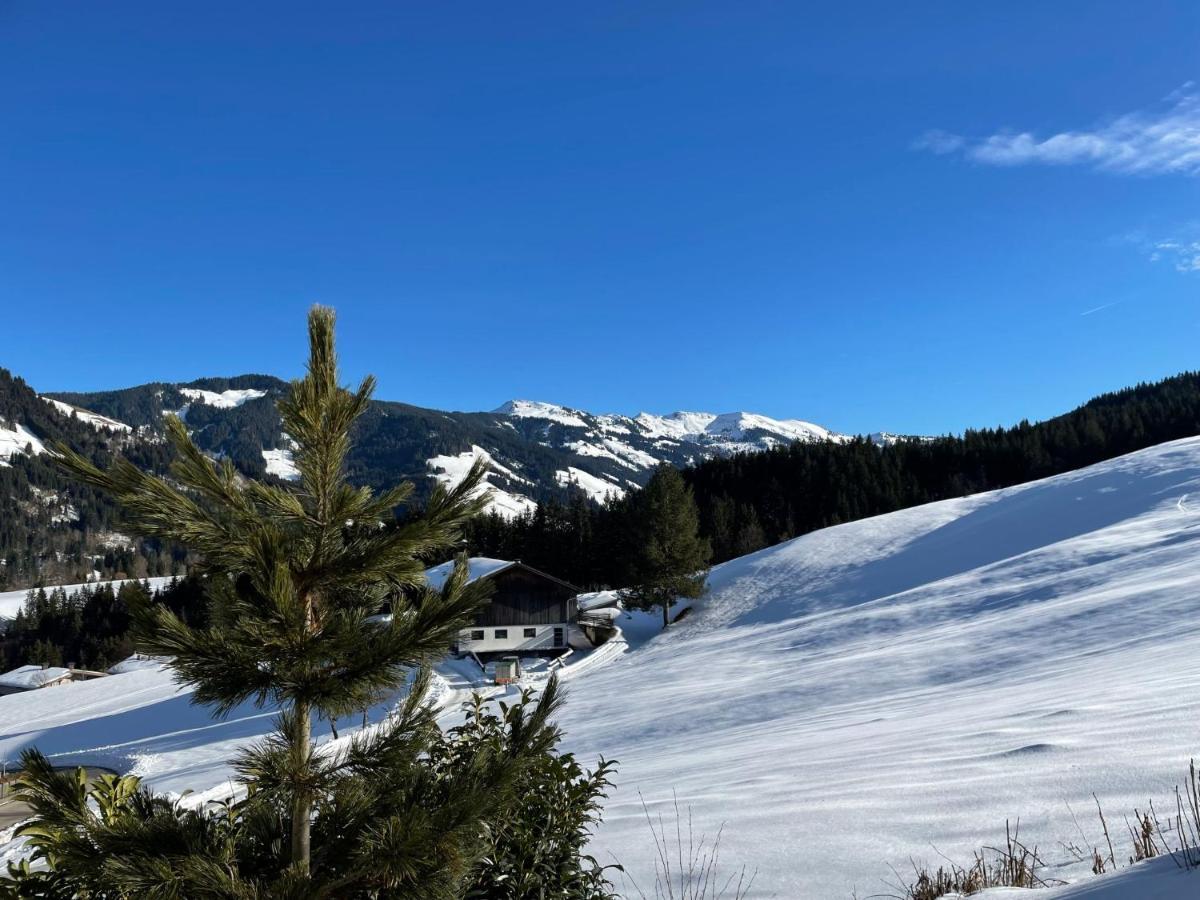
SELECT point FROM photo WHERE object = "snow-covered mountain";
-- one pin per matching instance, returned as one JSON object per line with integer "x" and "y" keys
{"x": 534, "y": 450}
{"x": 700, "y": 432}
{"x": 616, "y": 453}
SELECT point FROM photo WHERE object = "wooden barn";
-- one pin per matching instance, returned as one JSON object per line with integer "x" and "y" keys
{"x": 529, "y": 611}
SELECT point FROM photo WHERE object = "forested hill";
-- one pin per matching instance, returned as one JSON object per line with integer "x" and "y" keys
{"x": 53, "y": 529}
{"x": 752, "y": 500}
{"x": 535, "y": 452}
{"x": 797, "y": 489}
{"x": 239, "y": 428}
{"x": 237, "y": 418}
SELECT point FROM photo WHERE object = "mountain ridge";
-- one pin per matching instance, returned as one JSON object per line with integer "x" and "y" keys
{"x": 534, "y": 449}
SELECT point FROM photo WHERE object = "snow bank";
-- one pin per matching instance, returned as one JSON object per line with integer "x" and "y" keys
{"x": 1156, "y": 879}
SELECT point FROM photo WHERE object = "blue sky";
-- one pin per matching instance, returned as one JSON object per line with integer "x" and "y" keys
{"x": 915, "y": 217}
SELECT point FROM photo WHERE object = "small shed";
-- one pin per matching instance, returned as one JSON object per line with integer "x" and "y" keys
{"x": 33, "y": 677}
{"x": 508, "y": 670}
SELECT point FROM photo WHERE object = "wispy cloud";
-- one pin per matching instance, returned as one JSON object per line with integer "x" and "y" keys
{"x": 1178, "y": 248}
{"x": 1096, "y": 309}
{"x": 1149, "y": 142}
{"x": 1184, "y": 255}
{"x": 939, "y": 142}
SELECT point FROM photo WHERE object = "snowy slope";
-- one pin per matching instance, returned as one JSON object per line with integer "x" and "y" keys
{"x": 12, "y": 601}
{"x": 452, "y": 469}
{"x": 231, "y": 418}
{"x": 97, "y": 421}
{"x": 732, "y": 428}
{"x": 16, "y": 439}
{"x": 613, "y": 453}
{"x": 598, "y": 489}
{"x": 223, "y": 400}
{"x": 280, "y": 463}
{"x": 536, "y": 409}
{"x": 866, "y": 693}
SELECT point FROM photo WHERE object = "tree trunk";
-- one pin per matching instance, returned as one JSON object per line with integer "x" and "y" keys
{"x": 302, "y": 803}
{"x": 666, "y": 613}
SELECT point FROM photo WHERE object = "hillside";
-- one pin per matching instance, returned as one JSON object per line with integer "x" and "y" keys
{"x": 52, "y": 528}
{"x": 851, "y": 698}
{"x": 748, "y": 501}
{"x": 875, "y": 690}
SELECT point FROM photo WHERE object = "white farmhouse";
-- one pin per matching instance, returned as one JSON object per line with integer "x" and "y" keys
{"x": 529, "y": 611}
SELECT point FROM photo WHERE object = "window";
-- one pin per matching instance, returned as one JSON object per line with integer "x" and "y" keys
{"x": 558, "y": 637}
{"x": 477, "y": 635}
{"x": 501, "y": 633}
{"x": 530, "y": 632}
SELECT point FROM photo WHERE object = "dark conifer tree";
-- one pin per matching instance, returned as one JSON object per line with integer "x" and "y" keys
{"x": 668, "y": 558}
{"x": 297, "y": 575}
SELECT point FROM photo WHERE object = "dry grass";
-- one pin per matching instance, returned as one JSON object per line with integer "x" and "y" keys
{"x": 1150, "y": 835}
{"x": 1012, "y": 864}
{"x": 1187, "y": 821}
{"x": 1016, "y": 865}
{"x": 687, "y": 866}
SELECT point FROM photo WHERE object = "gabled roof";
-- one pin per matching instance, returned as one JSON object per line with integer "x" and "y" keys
{"x": 477, "y": 567}
{"x": 29, "y": 677}
{"x": 485, "y": 567}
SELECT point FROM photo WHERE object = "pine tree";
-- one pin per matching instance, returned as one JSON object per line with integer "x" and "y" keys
{"x": 296, "y": 577}
{"x": 668, "y": 558}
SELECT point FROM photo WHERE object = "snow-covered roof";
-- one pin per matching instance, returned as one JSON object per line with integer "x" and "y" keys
{"x": 30, "y": 677}
{"x": 477, "y": 567}
{"x": 599, "y": 600}
{"x": 136, "y": 663}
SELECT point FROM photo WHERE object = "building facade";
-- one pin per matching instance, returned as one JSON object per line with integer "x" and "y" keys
{"x": 529, "y": 610}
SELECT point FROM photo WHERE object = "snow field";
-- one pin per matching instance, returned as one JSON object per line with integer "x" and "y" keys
{"x": 452, "y": 469}
{"x": 871, "y": 692}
